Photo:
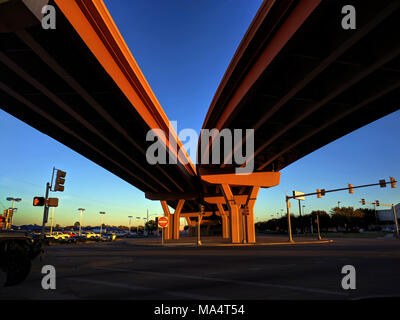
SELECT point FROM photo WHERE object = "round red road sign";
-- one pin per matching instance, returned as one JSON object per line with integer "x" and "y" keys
{"x": 162, "y": 222}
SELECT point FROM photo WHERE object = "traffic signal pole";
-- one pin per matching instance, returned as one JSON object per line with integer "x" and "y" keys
{"x": 394, "y": 215}
{"x": 376, "y": 203}
{"x": 395, "y": 219}
{"x": 45, "y": 210}
{"x": 289, "y": 223}
{"x": 319, "y": 232}
{"x": 322, "y": 192}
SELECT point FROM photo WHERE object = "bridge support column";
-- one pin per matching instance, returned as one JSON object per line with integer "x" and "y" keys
{"x": 250, "y": 227}
{"x": 177, "y": 219}
{"x": 234, "y": 212}
{"x": 167, "y": 230}
{"x": 172, "y": 230}
{"x": 225, "y": 221}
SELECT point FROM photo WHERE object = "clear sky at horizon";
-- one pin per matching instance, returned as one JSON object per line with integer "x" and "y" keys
{"x": 183, "y": 48}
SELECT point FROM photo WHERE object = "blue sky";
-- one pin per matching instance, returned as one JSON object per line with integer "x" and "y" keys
{"x": 183, "y": 48}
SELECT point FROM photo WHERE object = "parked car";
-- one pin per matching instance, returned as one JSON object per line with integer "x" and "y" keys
{"x": 90, "y": 235}
{"x": 57, "y": 235}
{"x": 108, "y": 236}
{"x": 69, "y": 233}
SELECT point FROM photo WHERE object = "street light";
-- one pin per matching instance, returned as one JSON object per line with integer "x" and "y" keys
{"x": 13, "y": 201}
{"x": 338, "y": 204}
{"x": 9, "y": 217}
{"x": 137, "y": 228}
{"x": 130, "y": 217}
{"x": 101, "y": 221}
{"x": 80, "y": 220}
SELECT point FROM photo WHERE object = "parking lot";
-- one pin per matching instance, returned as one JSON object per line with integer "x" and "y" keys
{"x": 136, "y": 269}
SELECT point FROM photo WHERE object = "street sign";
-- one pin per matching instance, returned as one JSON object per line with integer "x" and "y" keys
{"x": 162, "y": 222}
{"x": 52, "y": 202}
{"x": 298, "y": 195}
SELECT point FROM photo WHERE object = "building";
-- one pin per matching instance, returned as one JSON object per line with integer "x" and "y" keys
{"x": 387, "y": 214}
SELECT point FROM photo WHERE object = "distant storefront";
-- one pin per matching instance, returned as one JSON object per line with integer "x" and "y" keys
{"x": 387, "y": 214}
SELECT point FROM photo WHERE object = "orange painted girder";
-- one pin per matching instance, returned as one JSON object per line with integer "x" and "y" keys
{"x": 261, "y": 179}
{"x": 92, "y": 21}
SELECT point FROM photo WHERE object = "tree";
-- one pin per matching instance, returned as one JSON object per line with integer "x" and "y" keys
{"x": 76, "y": 224}
{"x": 151, "y": 226}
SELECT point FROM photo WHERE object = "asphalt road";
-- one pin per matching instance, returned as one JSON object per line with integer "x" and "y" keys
{"x": 128, "y": 269}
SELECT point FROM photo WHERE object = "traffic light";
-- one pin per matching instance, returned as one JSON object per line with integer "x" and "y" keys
{"x": 38, "y": 201}
{"x": 393, "y": 182}
{"x": 156, "y": 220}
{"x": 382, "y": 183}
{"x": 318, "y": 193}
{"x": 351, "y": 190}
{"x": 322, "y": 192}
{"x": 377, "y": 203}
{"x": 60, "y": 180}
{"x": 363, "y": 201}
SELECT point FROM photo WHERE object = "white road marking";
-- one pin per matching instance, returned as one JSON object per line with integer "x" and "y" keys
{"x": 134, "y": 287}
{"x": 376, "y": 297}
{"x": 231, "y": 281}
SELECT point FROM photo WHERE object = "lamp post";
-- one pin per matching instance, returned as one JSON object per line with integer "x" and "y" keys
{"x": 201, "y": 213}
{"x": 130, "y": 218}
{"x": 338, "y": 204}
{"x": 13, "y": 202}
{"x": 80, "y": 220}
{"x": 137, "y": 227}
{"x": 101, "y": 221}
{"x": 10, "y": 214}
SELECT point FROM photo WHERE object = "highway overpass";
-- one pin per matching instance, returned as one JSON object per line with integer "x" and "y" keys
{"x": 297, "y": 78}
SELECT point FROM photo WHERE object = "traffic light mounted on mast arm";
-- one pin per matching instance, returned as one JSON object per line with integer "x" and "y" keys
{"x": 393, "y": 182}
{"x": 60, "y": 180}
